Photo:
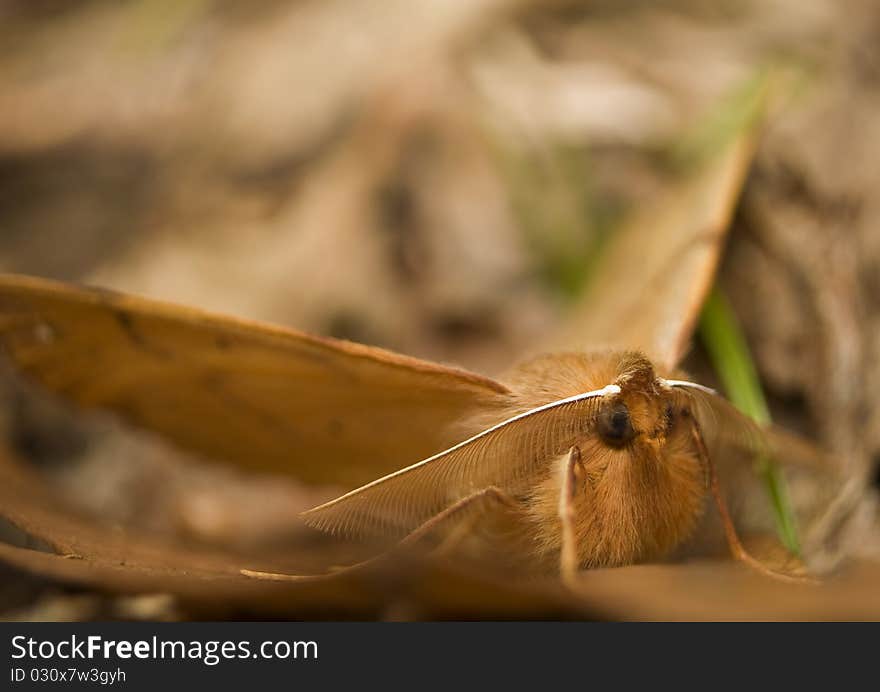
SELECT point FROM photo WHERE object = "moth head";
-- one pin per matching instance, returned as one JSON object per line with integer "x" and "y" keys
{"x": 642, "y": 412}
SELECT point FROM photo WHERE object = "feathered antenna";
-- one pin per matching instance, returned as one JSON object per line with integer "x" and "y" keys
{"x": 503, "y": 456}
{"x": 721, "y": 422}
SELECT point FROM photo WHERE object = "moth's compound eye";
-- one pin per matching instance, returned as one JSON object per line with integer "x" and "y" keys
{"x": 614, "y": 425}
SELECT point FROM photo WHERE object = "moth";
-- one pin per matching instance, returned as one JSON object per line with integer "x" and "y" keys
{"x": 600, "y": 458}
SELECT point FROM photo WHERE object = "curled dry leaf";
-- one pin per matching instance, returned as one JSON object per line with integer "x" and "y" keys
{"x": 656, "y": 272}
{"x": 263, "y": 397}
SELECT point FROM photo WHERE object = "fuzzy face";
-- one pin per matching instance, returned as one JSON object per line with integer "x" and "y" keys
{"x": 641, "y": 487}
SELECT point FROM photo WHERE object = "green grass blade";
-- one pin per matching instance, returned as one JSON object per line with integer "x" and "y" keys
{"x": 729, "y": 353}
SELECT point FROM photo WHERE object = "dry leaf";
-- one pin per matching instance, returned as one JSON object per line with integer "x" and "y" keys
{"x": 263, "y": 397}
{"x": 661, "y": 265}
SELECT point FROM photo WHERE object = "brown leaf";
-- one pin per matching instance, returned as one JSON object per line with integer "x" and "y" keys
{"x": 656, "y": 271}
{"x": 263, "y": 397}
{"x": 729, "y": 591}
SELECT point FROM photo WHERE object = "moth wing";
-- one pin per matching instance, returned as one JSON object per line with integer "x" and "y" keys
{"x": 262, "y": 397}
{"x": 506, "y": 456}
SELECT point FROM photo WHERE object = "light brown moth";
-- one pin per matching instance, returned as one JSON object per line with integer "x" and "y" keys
{"x": 600, "y": 459}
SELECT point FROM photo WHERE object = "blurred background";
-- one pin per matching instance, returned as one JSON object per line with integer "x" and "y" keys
{"x": 432, "y": 176}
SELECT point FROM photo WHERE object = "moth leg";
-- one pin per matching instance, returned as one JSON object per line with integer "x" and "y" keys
{"x": 480, "y": 501}
{"x": 568, "y": 555}
{"x": 737, "y": 549}
{"x": 456, "y": 535}
{"x": 470, "y": 506}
